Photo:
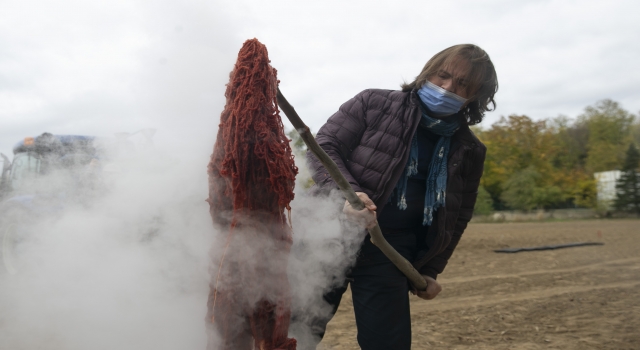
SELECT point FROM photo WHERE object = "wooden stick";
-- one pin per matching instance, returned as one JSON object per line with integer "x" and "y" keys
{"x": 376, "y": 234}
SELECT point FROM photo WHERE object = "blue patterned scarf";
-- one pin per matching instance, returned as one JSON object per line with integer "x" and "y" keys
{"x": 437, "y": 177}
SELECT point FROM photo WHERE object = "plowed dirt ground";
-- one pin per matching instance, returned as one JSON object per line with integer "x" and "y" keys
{"x": 573, "y": 298}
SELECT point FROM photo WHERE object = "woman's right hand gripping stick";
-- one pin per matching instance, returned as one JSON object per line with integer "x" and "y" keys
{"x": 365, "y": 217}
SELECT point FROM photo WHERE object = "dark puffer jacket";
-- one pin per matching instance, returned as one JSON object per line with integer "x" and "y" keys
{"x": 369, "y": 139}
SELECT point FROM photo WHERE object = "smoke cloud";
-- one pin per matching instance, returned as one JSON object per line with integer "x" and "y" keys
{"x": 325, "y": 246}
{"x": 124, "y": 268}
{"x": 124, "y": 264}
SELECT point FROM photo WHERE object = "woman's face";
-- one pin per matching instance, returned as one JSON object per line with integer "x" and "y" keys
{"x": 453, "y": 78}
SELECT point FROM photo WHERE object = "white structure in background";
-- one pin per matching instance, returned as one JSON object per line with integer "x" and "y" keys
{"x": 606, "y": 182}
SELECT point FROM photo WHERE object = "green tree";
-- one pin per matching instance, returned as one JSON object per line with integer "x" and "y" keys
{"x": 484, "y": 203}
{"x": 635, "y": 132}
{"x": 570, "y": 141}
{"x": 518, "y": 190}
{"x": 524, "y": 191}
{"x": 518, "y": 143}
{"x": 628, "y": 186}
{"x": 584, "y": 192}
{"x": 513, "y": 144}
{"x": 609, "y": 135}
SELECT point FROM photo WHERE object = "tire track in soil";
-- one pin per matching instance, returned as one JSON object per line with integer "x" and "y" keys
{"x": 484, "y": 300}
{"x": 592, "y": 266}
{"x": 595, "y": 318}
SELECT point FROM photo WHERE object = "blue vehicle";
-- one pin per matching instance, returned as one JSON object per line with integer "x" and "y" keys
{"x": 47, "y": 173}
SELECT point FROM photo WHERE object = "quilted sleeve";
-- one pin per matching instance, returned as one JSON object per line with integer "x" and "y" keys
{"x": 338, "y": 136}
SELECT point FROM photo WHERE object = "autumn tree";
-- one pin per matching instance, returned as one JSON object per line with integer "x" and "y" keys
{"x": 513, "y": 144}
{"x": 550, "y": 163}
{"x": 609, "y": 129}
{"x": 522, "y": 151}
{"x": 569, "y": 162}
{"x": 570, "y": 143}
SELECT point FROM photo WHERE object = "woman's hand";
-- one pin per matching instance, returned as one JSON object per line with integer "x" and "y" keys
{"x": 433, "y": 288}
{"x": 365, "y": 217}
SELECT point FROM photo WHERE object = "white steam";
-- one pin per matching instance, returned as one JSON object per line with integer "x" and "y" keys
{"x": 126, "y": 265}
{"x": 125, "y": 271}
{"x": 321, "y": 255}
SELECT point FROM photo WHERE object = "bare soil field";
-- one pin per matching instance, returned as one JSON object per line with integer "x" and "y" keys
{"x": 573, "y": 298}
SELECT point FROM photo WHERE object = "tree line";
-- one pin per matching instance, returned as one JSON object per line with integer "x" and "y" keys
{"x": 549, "y": 163}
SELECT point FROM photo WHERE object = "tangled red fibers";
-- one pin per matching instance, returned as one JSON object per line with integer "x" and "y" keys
{"x": 251, "y": 181}
{"x": 256, "y": 149}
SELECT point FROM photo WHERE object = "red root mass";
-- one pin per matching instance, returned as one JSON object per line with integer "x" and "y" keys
{"x": 251, "y": 181}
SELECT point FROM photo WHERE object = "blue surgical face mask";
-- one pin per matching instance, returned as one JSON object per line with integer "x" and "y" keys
{"x": 439, "y": 101}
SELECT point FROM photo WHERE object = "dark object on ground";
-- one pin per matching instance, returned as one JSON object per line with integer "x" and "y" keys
{"x": 547, "y": 247}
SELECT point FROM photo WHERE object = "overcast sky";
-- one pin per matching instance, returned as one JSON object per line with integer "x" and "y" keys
{"x": 100, "y": 67}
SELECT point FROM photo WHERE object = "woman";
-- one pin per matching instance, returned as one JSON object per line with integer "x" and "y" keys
{"x": 413, "y": 160}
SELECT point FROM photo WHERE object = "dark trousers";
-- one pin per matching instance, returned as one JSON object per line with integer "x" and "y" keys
{"x": 380, "y": 296}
